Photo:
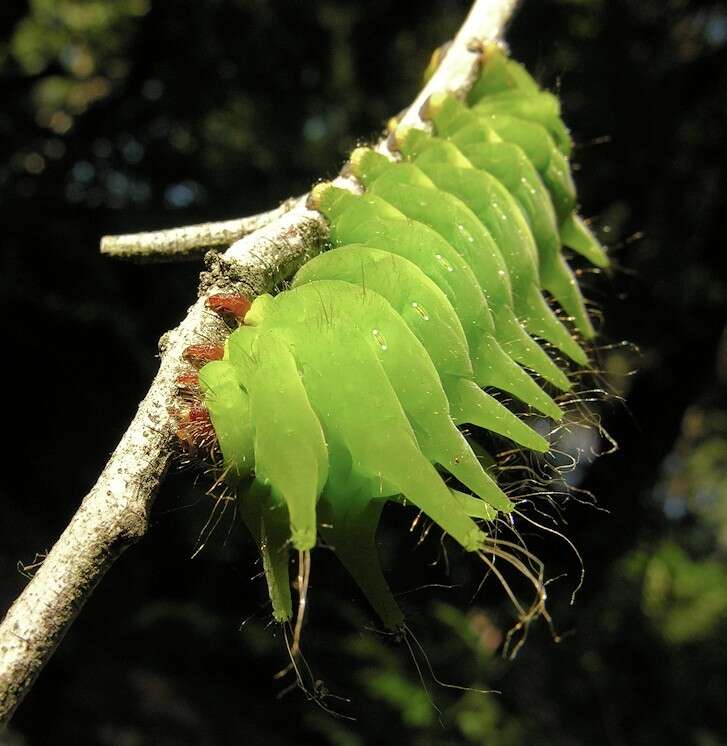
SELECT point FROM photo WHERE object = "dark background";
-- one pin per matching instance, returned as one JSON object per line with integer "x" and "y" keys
{"x": 126, "y": 115}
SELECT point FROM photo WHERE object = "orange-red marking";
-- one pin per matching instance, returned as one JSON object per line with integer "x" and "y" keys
{"x": 194, "y": 428}
{"x": 198, "y": 355}
{"x": 229, "y": 304}
{"x": 188, "y": 380}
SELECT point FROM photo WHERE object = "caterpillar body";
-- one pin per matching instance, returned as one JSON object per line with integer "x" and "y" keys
{"x": 347, "y": 390}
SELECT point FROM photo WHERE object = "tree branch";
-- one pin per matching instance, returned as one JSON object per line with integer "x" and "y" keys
{"x": 115, "y": 513}
{"x": 189, "y": 241}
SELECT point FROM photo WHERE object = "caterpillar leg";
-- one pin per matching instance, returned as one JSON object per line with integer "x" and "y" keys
{"x": 195, "y": 431}
{"x": 540, "y": 320}
{"x": 229, "y": 409}
{"x": 576, "y": 235}
{"x": 290, "y": 449}
{"x": 269, "y": 523}
{"x": 188, "y": 381}
{"x": 349, "y": 523}
{"x": 494, "y": 367}
{"x": 559, "y": 280}
{"x": 473, "y": 506}
{"x": 520, "y": 346}
{"x": 471, "y": 405}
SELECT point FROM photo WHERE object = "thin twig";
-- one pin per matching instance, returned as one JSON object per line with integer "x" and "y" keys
{"x": 189, "y": 241}
{"x": 115, "y": 513}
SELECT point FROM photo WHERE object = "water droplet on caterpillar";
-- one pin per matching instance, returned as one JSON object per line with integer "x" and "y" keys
{"x": 463, "y": 230}
{"x": 444, "y": 262}
{"x": 380, "y": 339}
{"x": 527, "y": 185}
{"x": 500, "y": 212}
{"x": 420, "y": 310}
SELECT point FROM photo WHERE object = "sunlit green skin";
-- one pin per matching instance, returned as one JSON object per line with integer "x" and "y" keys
{"x": 486, "y": 150}
{"x": 537, "y": 144}
{"x": 484, "y": 258}
{"x": 429, "y": 315}
{"x": 388, "y": 446}
{"x": 555, "y": 173}
{"x": 228, "y": 406}
{"x": 509, "y": 165}
{"x": 366, "y": 325}
{"x": 472, "y": 241}
{"x": 493, "y": 204}
{"x": 464, "y": 126}
{"x": 505, "y": 87}
{"x": 405, "y": 186}
{"x": 415, "y": 381}
{"x": 284, "y": 360}
{"x": 576, "y": 235}
{"x": 541, "y": 107}
{"x": 289, "y": 445}
{"x": 268, "y": 521}
{"x": 266, "y": 517}
{"x": 497, "y": 209}
{"x": 454, "y": 121}
{"x": 498, "y": 73}
{"x": 413, "y": 295}
{"x": 355, "y": 219}
{"x": 488, "y": 265}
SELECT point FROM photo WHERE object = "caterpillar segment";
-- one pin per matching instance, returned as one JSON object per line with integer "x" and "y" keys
{"x": 463, "y": 126}
{"x": 355, "y": 219}
{"x": 428, "y": 314}
{"x": 406, "y": 187}
{"x": 499, "y": 213}
{"x": 453, "y": 120}
{"x": 347, "y": 390}
{"x": 498, "y": 73}
{"x": 511, "y": 167}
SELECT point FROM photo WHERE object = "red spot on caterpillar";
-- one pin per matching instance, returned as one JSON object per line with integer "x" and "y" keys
{"x": 198, "y": 355}
{"x": 194, "y": 429}
{"x": 229, "y": 305}
{"x": 199, "y": 414}
{"x": 188, "y": 380}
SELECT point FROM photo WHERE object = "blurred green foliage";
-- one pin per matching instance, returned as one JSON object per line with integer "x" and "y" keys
{"x": 685, "y": 599}
{"x": 76, "y": 51}
{"x": 127, "y": 115}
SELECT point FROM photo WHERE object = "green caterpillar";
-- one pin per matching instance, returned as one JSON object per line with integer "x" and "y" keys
{"x": 346, "y": 390}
